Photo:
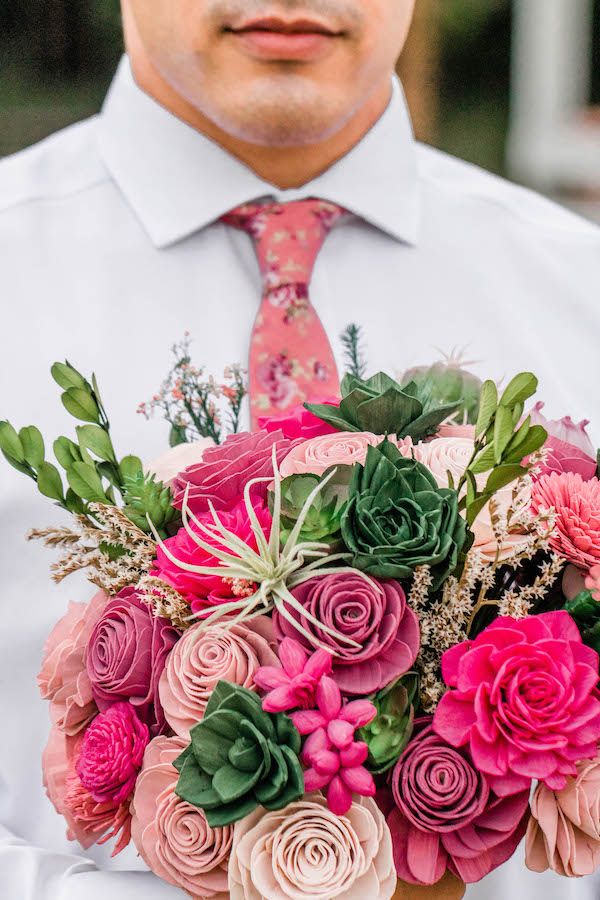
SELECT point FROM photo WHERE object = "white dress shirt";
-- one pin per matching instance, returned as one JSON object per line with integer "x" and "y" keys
{"x": 109, "y": 251}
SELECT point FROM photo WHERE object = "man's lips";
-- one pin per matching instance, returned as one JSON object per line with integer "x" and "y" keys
{"x": 283, "y": 26}
{"x": 279, "y": 39}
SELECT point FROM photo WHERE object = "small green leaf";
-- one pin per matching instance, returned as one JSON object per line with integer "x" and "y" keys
{"x": 80, "y": 404}
{"x": 20, "y": 467}
{"x": 130, "y": 467}
{"x": 10, "y": 443}
{"x": 484, "y": 461}
{"x": 74, "y": 503}
{"x": 503, "y": 430}
{"x": 488, "y": 401}
{"x": 520, "y": 389}
{"x": 33, "y": 445}
{"x": 49, "y": 481}
{"x": 66, "y": 376}
{"x": 86, "y": 482}
{"x": 471, "y": 486}
{"x": 535, "y": 438}
{"x": 95, "y": 438}
{"x": 66, "y": 452}
{"x": 502, "y": 476}
{"x": 475, "y": 508}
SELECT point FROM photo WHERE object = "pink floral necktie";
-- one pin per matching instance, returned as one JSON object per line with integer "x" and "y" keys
{"x": 290, "y": 358}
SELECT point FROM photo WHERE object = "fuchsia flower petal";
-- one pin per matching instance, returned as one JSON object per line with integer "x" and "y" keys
{"x": 339, "y": 796}
{"x": 358, "y": 780}
{"x": 341, "y": 734}
{"x": 354, "y": 755}
{"x": 326, "y": 762}
{"x": 293, "y": 656}
{"x": 308, "y": 720}
{"x": 280, "y": 699}
{"x": 270, "y": 677}
{"x": 319, "y": 664}
{"x": 358, "y": 712}
{"x": 329, "y": 698}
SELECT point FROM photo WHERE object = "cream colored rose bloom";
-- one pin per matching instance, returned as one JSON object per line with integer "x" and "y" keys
{"x": 344, "y": 448}
{"x": 176, "y": 459}
{"x": 453, "y": 454}
{"x": 305, "y": 851}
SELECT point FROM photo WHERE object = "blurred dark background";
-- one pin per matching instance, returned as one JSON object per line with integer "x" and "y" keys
{"x": 57, "y": 58}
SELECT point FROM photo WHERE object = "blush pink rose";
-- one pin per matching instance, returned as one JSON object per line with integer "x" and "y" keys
{"x": 568, "y": 447}
{"x": 111, "y": 753}
{"x": 206, "y": 655}
{"x": 344, "y": 448}
{"x": 456, "y": 431}
{"x": 523, "y": 700}
{"x": 63, "y": 678}
{"x": 126, "y": 654}
{"x": 374, "y": 614}
{"x": 88, "y": 821}
{"x": 298, "y": 422}
{"x": 169, "y": 464}
{"x": 203, "y": 592}
{"x": 576, "y": 504}
{"x": 225, "y": 470}
{"x": 564, "y": 829}
{"x": 173, "y": 837}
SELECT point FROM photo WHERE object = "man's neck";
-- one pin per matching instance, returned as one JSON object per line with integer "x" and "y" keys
{"x": 284, "y": 167}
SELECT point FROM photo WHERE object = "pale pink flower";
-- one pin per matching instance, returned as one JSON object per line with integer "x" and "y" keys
{"x": 576, "y": 504}
{"x": 456, "y": 431}
{"x": 344, "y": 448}
{"x": 293, "y": 683}
{"x": 569, "y": 448}
{"x": 174, "y": 460}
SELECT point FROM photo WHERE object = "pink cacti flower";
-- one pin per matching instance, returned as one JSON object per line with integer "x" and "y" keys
{"x": 334, "y": 759}
{"x": 294, "y": 684}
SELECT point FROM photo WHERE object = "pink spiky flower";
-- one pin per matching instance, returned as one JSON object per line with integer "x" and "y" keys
{"x": 294, "y": 684}
{"x": 334, "y": 759}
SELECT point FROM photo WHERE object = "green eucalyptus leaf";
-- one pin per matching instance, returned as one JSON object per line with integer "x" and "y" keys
{"x": 503, "y": 430}
{"x": 534, "y": 439}
{"x": 49, "y": 481}
{"x": 488, "y": 401}
{"x": 484, "y": 461}
{"x": 66, "y": 376}
{"x": 10, "y": 443}
{"x": 96, "y": 439}
{"x": 33, "y": 445}
{"x": 86, "y": 483}
{"x": 501, "y": 476}
{"x": 66, "y": 452}
{"x": 520, "y": 389}
{"x": 474, "y": 508}
{"x": 80, "y": 404}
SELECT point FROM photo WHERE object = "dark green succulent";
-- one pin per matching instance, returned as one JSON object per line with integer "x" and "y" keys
{"x": 585, "y": 610}
{"x": 240, "y": 757}
{"x": 382, "y": 406}
{"x": 448, "y": 383}
{"x": 390, "y": 731}
{"x": 323, "y": 522}
{"x": 397, "y": 518}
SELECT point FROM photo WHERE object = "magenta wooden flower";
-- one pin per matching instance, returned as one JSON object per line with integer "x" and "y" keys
{"x": 447, "y": 817}
{"x": 523, "y": 699}
{"x": 576, "y": 504}
{"x": 111, "y": 754}
{"x": 371, "y": 613}
{"x": 334, "y": 759}
{"x": 298, "y": 422}
{"x": 294, "y": 683}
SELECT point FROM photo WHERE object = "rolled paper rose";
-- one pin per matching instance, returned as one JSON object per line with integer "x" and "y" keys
{"x": 446, "y": 817}
{"x": 88, "y": 821}
{"x": 174, "y": 460}
{"x": 298, "y": 422}
{"x": 568, "y": 447}
{"x": 456, "y": 431}
{"x": 523, "y": 699}
{"x": 111, "y": 754}
{"x": 173, "y": 837}
{"x": 63, "y": 678}
{"x": 203, "y": 657}
{"x": 342, "y": 448}
{"x": 564, "y": 828}
{"x": 225, "y": 470}
{"x": 126, "y": 654}
{"x": 307, "y": 851}
{"x": 371, "y": 613}
{"x": 203, "y": 592}
{"x": 576, "y": 505}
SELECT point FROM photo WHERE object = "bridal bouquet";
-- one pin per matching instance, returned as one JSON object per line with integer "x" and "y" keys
{"x": 355, "y": 647}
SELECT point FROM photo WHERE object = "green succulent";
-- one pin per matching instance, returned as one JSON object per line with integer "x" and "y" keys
{"x": 447, "y": 382}
{"x": 240, "y": 757}
{"x": 382, "y": 406}
{"x": 323, "y": 521}
{"x": 144, "y": 496}
{"x": 390, "y": 731}
{"x": 397, "y": 518}
{"x": 585, "y": 610}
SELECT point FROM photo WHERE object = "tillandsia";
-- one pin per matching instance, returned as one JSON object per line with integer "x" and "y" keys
{"x": 448, "y": 381}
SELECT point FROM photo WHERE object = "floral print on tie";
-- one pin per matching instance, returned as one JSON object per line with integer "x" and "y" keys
{"x": 290, "y": 358}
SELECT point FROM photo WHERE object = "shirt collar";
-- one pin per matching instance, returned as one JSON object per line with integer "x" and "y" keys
{"x": 177, "y": 180}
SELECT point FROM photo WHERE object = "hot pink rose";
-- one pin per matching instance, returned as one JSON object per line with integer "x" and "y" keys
{"x": 298, "y": 422}
{"x": 344, "y": 448}
{"x": 205, "y": 656}
{"x": 568, "y": 447}
{"x": 446, "y": 816}
{"x": 225, "y": 470}
{"x": 173, "y": 837}
{"x": 206, "y": 591}
{"x": 523, "y": 700}
{"x": 63, "y": 678}
{"x": 111, "y": 754}
{"x": 88, "y": 821}
{"x": 372, "y": 613}
{"x": 126, "y": 654}
{"x": 576, "y": 504}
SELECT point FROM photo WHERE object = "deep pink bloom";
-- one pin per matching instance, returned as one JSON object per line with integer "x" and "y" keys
{"x": 298, "y": 422}
{"x": 372, "y": 613}
{"x": 447, "y": 817}
{"x": 126, "y": 654}
{"x": 334, "y": 759}
{"x": 523, "y": 700}
{"x": 225, "y": 470}
{"x": 111, "y": 754}
{"x": 569, "y": 446}
{"x": 592, "y": 582}
{"x": 294, "y": 683}
{"x": 576, "y": 504}
{"x": 206, "y": 591}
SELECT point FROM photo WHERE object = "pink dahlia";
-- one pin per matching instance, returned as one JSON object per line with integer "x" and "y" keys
{"x": 523, "y": 699}
{"x": 576, "y": 504}
{"x": 569, "y": 448}
{"x": 111, "y": 754}
{"x": 371, "y": 613}
{"x": 446, "y": 816}
{"x": 206, "y": 591}
{"x": 225, "y": 470}
{"x": 294, "y": 683}
{"x": 334, "y": 759}
{"x": 298, "y": 422}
